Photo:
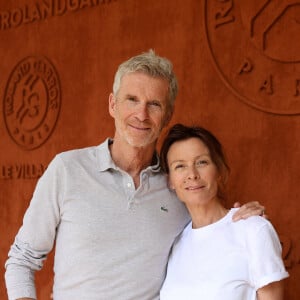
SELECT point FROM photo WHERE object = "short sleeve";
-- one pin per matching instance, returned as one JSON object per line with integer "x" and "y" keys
{"x": 265, "y": 253}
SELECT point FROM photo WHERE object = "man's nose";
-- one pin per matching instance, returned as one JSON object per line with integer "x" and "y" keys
{"x": 142, "y": 112}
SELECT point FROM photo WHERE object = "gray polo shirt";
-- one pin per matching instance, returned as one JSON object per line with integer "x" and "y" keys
{"x": 112, "y": 241}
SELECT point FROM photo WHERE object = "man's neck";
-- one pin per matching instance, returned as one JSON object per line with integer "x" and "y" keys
{"x": 132, "y": 159}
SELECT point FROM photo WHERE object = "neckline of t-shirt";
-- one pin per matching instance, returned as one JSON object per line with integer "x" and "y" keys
{"x": 227, "y": 218}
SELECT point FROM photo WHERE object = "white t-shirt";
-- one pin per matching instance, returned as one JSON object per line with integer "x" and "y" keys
{"x": 225, "y": 260}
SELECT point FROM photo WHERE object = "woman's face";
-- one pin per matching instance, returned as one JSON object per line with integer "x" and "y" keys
{"x": 192, "y": 174}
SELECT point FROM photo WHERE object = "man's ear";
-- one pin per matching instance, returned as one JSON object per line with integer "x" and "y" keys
{"x": 112, "y": 104}
{"x": 168, "y": 117}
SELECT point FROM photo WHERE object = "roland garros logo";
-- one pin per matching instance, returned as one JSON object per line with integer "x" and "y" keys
{"x": 32, "y": 102}
{"x": 255, "y": 47}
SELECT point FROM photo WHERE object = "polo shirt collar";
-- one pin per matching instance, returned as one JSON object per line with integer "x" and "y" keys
{"x": 105, "y": 161}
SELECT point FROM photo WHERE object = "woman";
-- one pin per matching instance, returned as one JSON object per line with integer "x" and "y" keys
{"x": 215, "y": 258}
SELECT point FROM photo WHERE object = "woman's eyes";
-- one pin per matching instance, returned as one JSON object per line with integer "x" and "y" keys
{"x": 180, "y": 166}
{"x": 202, "y": 162}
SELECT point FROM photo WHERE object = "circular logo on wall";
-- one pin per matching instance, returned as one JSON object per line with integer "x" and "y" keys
{"x": 255, "y": 47}
{"x": 32, "y": 102}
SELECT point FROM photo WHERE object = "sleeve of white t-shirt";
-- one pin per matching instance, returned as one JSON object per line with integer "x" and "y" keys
{"x": 265, "y": 254}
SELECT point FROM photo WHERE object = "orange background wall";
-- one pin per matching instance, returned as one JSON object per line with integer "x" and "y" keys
{"x": 238, "y": 66}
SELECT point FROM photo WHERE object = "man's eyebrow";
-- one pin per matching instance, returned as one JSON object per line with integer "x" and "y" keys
{"x": 130, "y": 96}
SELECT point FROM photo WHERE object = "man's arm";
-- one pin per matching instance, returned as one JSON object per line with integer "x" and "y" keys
{"x": 274, "y": 291}
{"x": 36, "y": 236}
{"x": 20, "y": 269}
{"x": 249, "y": 209}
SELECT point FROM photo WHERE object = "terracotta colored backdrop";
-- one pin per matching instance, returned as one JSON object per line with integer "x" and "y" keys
{"x": 238, "y": 65}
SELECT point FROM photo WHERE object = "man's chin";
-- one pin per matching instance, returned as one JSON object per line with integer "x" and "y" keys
{"x": 140, "y": 143}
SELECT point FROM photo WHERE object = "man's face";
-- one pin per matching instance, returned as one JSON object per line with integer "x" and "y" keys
{"x": 140, "y": 109}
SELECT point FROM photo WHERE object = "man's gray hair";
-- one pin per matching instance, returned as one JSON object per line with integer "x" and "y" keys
{"x": 150, "y": 64}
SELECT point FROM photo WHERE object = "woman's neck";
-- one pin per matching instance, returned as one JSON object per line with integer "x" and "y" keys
{"x": 205, "y": 215}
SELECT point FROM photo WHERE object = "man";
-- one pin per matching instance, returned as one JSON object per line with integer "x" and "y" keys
{"x": 107, "y": 208}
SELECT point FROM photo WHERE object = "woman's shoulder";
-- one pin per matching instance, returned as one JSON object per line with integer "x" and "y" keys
{"x": 251, "y": 224}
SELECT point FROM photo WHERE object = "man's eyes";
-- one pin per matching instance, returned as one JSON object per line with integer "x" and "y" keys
{"x": 132, "y": 99}
{"x": 154, "y": 103}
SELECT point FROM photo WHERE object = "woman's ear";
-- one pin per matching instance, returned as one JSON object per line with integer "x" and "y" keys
{"x": 170, "y": 185}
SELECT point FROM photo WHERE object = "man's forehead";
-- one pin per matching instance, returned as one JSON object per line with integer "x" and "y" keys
{"x": 137, "y": 82}
{"x": 141, "y": 75}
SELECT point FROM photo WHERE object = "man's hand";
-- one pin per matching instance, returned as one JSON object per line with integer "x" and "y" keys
{"x": 249, "y": 209}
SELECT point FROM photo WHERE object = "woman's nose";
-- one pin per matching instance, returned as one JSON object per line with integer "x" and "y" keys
{"x": 193, "y": 173}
